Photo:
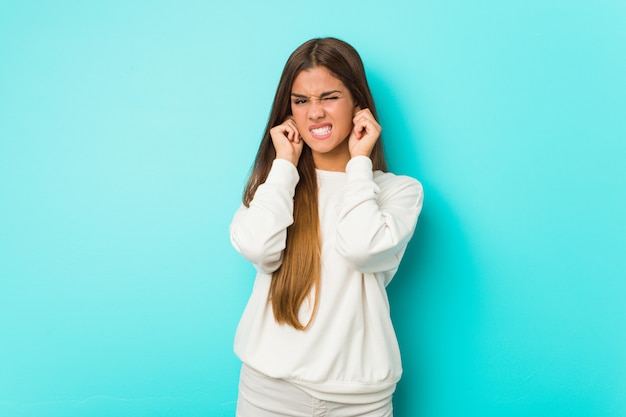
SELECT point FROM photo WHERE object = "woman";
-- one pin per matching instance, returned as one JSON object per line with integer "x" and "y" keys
{"x": 325, "y": 228}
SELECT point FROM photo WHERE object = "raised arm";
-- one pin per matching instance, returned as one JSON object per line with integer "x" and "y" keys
{"x": 376, "y": 218}
{"x": 259, "y": 232}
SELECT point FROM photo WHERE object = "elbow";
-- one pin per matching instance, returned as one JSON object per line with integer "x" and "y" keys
{"x": 358, "y": 253}
{"x": 356, "y": 256}
{"x": 265, "y": 257}
{"x": 376, "y": 254}
{"x": 372, "y": 262}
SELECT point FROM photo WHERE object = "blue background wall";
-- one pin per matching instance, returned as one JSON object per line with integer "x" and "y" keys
{"x": 127, "y": 130}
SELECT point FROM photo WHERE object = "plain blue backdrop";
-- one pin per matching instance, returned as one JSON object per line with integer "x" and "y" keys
{"x": 127, "y": 130}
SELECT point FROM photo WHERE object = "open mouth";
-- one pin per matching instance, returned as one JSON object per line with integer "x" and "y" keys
{"x": 321, "y": 132}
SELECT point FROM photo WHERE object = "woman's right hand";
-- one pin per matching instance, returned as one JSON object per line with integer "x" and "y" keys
{"x": 287, "y": 141}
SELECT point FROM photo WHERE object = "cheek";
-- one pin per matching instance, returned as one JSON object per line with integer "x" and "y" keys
{"x": 343, "y": 111}
{"x": 344, "y": 117}
{"x": 299, "y": 116}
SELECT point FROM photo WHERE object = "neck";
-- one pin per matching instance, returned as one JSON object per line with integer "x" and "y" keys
{"x": 335, "y": 160}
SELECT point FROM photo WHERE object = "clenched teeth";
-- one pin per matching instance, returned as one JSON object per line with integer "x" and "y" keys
{"x": 321, "y": 130}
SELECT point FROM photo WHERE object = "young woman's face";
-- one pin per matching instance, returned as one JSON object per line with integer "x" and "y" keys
{"x": 323, "y": 109}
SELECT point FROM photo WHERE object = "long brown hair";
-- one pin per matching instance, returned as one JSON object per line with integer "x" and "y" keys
{"x": 299, "y": 272}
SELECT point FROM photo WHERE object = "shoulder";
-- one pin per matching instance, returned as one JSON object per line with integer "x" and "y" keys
{"x": 399, "y": 190}
{"x": 389, "y": 181}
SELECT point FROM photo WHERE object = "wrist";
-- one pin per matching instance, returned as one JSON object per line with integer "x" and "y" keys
{"x": 292, "y": 160}
{"x": 360, "y": 153}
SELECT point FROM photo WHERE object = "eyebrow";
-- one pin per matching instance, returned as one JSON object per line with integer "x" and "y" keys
{"x": 324, "y": 94}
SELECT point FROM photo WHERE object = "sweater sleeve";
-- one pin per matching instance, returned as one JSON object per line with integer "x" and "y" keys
{"x": 259, "y": 232}
{"x": 376, "y": 220}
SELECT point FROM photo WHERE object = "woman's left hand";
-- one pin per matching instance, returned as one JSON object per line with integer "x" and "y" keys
{"x": 365, "y": 133}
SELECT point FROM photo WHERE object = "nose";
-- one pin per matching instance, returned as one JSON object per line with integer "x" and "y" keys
{"x": 316, "y": 110}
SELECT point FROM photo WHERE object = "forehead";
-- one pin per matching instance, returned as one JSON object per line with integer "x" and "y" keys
{"x": 316, "y": 80}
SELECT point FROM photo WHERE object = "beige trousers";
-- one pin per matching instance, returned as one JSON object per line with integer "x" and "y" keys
{"x": 262, "y": 396}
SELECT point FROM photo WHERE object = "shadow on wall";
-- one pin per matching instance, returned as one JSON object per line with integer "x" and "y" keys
{"x": 434, "y": 296}
{"x": 433, "y": 301}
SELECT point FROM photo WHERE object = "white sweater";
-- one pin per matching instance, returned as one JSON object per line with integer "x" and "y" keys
{"x": 350, "y": 353}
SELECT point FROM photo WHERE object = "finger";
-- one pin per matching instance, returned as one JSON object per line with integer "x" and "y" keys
{"x": 359, "y": 120}
{"x": 367, "y": 127}
{"x": 290, "y": 132}
{"x": 296, "y": 136}
{"x": 363, "y": 113}
{"x": 358, "y": 129}
{"x": 368, "y": 121}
